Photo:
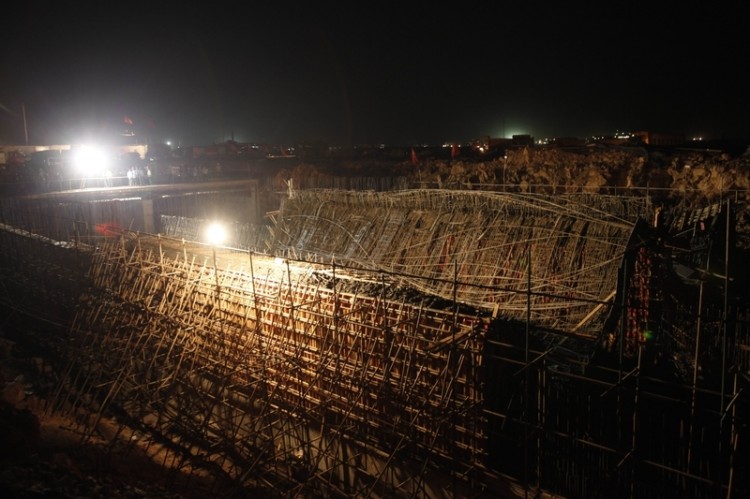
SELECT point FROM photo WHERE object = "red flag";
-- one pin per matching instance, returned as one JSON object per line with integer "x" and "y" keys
{"x": 454, "y": 151}
{"x": 127, "y": 120}
{"x": 414, "y": 159}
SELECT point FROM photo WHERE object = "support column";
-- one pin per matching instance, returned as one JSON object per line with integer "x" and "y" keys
{"x": 149, "y": 225}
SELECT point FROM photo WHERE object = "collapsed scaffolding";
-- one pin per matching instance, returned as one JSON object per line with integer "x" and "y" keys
{"x": 394, "y": 387}
{"x": 284, "y": 376}
{"x": 564, "y": 250}
{"x": 549, "y": 261}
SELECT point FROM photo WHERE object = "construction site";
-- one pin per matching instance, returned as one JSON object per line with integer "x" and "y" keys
{"x": 430, "y": 342}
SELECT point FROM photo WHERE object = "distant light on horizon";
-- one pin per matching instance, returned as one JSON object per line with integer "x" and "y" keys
{"x": 508, "y": 133}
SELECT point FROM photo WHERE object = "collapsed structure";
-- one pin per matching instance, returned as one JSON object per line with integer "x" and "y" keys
{"x": 425, "y": 343}
{"x": 551, "y": 262}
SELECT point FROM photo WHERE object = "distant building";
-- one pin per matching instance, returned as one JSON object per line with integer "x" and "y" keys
{"x": 522, "y": 140}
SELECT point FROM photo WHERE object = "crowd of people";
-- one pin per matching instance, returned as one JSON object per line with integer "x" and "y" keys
{"x": 139, "y": 175}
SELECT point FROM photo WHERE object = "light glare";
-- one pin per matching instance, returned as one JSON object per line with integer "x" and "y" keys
{"x": 90, "y": 161}
{"x": 216, "y": 233}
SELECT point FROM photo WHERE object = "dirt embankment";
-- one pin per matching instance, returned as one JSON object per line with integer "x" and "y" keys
{"x": 680, "y": 175}
{"x": 690, "y": 176}
{"x": 683, "y": 179}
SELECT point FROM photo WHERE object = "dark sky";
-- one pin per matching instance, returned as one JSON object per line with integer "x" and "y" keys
{"x": 351, "y": 73}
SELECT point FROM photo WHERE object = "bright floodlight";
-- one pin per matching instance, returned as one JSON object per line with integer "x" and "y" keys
{"x": 90, "y": 161}
{"x": 216, "y": 234}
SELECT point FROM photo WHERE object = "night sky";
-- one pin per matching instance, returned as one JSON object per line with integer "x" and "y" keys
{"x": 353, "y": 73}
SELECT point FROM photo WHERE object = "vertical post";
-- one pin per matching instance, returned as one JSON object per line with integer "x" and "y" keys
{"x": 541, "y": 388}
{"x": 528, "y": 304}
{"x": 161, "y": 254}
{"x": 623, "y": 332}
{"x": 252, "y": 281}
{"x": 527, "y": 418}
{"x": 725, "y": 318}
{"x": 624, "y": 317}
{"x": 455, "y": 303}
{"x": 695, "y": 375}
{"x": 733, "y": 440}
{"x": 724, "y": 312}
{"x": 216, "y": 271}
{"x": 147, "y": 203}
{"x": 633, "y": 440}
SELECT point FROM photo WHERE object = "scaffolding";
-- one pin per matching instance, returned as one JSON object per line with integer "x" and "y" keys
{"x": 278, "y": 383}
{"x": 564, "y": 250}
{"x": 308, "y": 374}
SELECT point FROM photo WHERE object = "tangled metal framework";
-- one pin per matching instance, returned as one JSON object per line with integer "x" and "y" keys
{"x": 492, "y": 251}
